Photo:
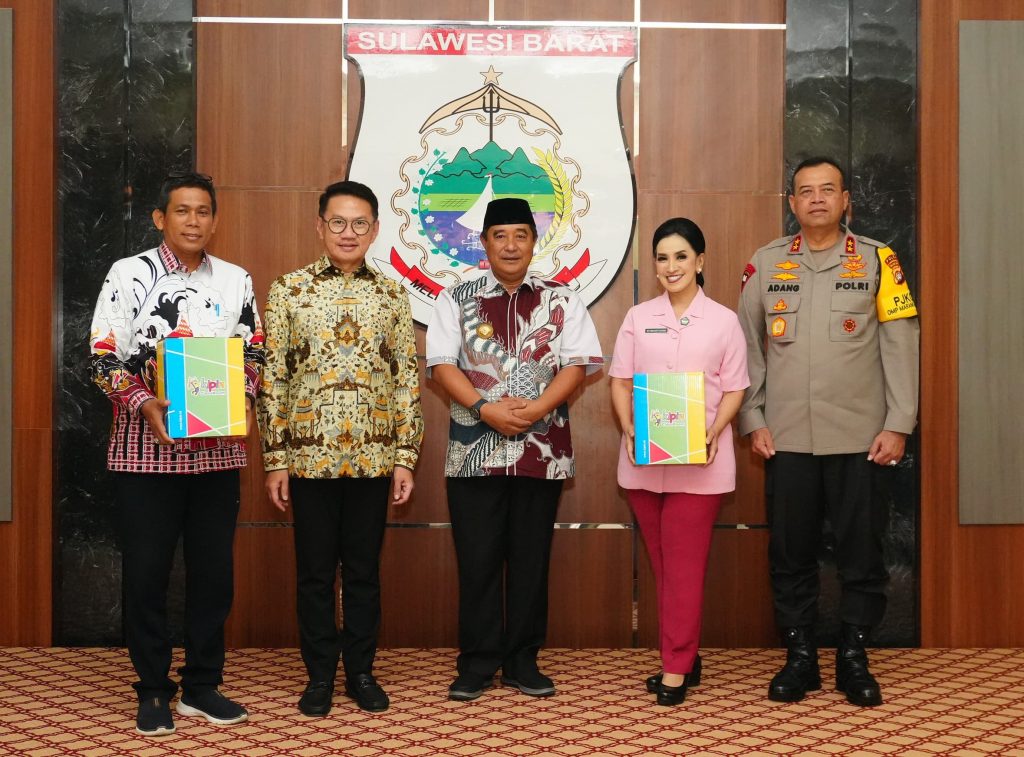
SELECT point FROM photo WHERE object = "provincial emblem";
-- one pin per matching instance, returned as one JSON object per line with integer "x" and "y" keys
{"x": 785, "y": 277}
{"x": 779, "y": 327}
{"x": 454, "y": 116}
{"x": 780, "y": 305}
{"x": 485, "y": 331}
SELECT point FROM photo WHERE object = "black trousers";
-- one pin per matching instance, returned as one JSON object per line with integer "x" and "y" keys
{"x": 502, "y": 527}
{"x": 338, "y": 519}
{"x": 802, "y": 490}
{"x": 154, "y": 511}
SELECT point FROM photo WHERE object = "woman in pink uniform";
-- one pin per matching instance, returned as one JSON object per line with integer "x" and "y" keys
{"x": 676, "y": 505}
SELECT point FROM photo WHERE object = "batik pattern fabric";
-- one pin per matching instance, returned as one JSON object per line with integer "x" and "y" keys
{"x": 341, "y": 394}
{"x": 511, "y": 345}
{"x": 144, "y": 299}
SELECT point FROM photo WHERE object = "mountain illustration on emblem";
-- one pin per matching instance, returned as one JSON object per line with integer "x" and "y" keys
{"x": 454, "y": 191}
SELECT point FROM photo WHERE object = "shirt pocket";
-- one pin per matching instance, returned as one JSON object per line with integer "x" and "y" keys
{"x": 849, "y": 316}
{"x": 780, "y": 314}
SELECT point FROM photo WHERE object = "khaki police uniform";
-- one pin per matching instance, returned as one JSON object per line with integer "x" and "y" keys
{"x": 832, "y": 352}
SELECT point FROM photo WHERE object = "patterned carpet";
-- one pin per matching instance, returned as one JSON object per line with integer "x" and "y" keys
{"x": 960, "y": 701}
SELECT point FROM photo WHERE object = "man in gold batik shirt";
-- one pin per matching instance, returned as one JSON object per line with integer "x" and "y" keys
{"x": 341, "y": 425}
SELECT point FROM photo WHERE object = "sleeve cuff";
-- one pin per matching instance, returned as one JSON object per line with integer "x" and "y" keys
{"x": 900, "y": 423}
{"x": 750, "y": 421}
{"x": 406, "y": 458}
{"x": 275, "y": 461}
{"x": 137, "y": 399}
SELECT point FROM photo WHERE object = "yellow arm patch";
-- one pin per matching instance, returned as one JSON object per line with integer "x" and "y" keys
{"x": 893, "y": 300}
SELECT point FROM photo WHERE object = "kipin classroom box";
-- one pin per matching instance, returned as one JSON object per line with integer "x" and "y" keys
{"x": 668, "y": 418}
{"x": 204, "y": 379}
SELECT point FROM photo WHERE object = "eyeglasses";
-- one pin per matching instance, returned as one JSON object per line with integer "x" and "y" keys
{"x": 360, "y": 226}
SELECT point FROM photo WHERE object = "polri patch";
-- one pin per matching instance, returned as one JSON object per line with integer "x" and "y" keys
{"x": 747, "y": 273}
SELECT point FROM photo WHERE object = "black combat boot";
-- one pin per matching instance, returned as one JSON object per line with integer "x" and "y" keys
{"x": 852, "y": 675}
{"x": 800, "y": 673}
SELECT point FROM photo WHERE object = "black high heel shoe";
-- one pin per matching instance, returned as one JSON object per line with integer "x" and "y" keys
{"x": 671, "y": 695}
{"x": 692, "y": 678}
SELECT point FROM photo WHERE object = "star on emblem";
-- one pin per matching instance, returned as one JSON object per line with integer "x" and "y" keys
{"x": 490, "y": 75}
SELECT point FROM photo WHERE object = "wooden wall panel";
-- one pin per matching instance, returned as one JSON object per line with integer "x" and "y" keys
{"x": 269, "y": 108}
{"x": 970, "y": 575}
{"x": 589, "y": 11}
{"x": 26, "y": 542}
{"x": 420, "y": 589}
{"x": 263, "y": 614}
{"x": 715, "y": 11}
{"x": 591, "y": 589}
{"x": 454, "y": 10}
{"x": 711, "y": 110}
{"x": 270, "y": 8}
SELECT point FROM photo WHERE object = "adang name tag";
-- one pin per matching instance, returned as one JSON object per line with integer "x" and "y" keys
{"x": 204, "y": 379}
{"x": 668, "y": 418}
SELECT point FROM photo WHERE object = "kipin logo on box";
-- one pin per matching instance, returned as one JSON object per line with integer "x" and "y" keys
{"x": 204, "y": 379}
{"x": 668, "y": 418}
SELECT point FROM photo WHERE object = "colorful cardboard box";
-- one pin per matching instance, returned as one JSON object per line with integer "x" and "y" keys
{"x": 204, "y": 379}
{"x": 668, "y": 418}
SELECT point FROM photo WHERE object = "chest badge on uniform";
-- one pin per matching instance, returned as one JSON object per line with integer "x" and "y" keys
{"x": 852, "y": 275}
{"x": 780, "y": 306}
{"x": 779, "y": 327}
{"x": 853, "y": 265}
{"x": 684, "y": 321}
{"x": 849, "y": 325}
{"x": 785, "y": 277}
{"x": 788, "y": 265}
{"x": 485, "y": 331}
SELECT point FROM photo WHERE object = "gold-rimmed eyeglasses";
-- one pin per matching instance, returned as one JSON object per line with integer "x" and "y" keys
{"x": 337, "y": 225}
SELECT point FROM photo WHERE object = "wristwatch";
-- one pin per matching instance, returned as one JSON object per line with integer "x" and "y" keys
{"x": 475, "y": 409}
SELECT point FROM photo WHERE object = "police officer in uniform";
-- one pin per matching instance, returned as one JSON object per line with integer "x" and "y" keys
{"x": 832, "y": 350}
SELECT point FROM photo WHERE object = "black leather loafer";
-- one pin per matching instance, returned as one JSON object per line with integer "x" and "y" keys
{"x": 368, "y": 694}
{"x": 316, "y": 699}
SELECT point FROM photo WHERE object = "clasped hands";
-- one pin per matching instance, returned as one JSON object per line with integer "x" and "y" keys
{"x": 511, "y": 415}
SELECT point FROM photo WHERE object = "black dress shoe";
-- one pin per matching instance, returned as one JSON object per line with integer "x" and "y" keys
{"x": 364, "y": 688}
{"x": 469, "y": 686}
{"x": 316, "y": 699}
{"x": 692, "y": 678}
{"x": 671, "y": 695}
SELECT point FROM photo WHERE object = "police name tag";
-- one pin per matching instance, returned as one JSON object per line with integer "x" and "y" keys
{"x": 656, "y": 331}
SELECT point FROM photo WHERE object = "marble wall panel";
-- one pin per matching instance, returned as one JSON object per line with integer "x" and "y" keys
{"x": 126, "y": 117}
{"x": 851, "y": 82}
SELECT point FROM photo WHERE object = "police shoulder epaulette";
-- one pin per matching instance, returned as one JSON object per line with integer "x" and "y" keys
{"x": 780, "y": 242}
{"x": 861, "y": 239}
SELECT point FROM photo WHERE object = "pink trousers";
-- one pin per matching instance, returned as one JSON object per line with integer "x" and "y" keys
{"x": 676, "y": 528}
